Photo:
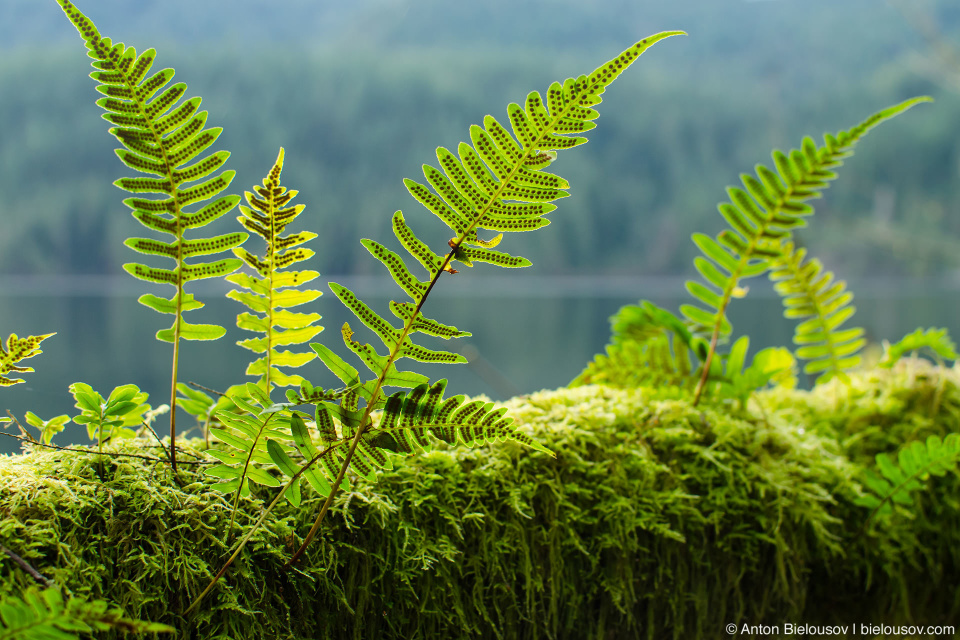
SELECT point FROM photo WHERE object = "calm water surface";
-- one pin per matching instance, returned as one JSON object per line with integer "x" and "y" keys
{"x": 529, "y": 333}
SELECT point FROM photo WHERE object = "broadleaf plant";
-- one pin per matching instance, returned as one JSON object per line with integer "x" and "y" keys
{"x": 277, "y": 289}
{"x": 161, "y": 135}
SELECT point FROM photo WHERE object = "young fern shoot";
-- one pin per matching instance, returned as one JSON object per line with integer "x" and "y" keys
{"x": 773, "y": 204}
{"x": 275, "y": 290}
{"x": 497, "y": 184}
{"x": 160, "y": 137}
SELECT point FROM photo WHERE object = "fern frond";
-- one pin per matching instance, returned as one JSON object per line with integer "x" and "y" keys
{"x": 824, "y": 305}
{"x": 936, "y": 340}
{"x": 18, "y": 349}
{"x": 915, "y": 463}
{"x": 160, "y": 137}
{"x": 497, "y": 183}
{"x": 43, "y": 615}
{"x": 277, "y": 289}
{"x": 767, "y": 210}
{"x": 769, "y": 207}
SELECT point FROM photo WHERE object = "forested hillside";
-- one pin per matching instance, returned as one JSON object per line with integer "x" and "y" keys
{"x": 361, "y": 95}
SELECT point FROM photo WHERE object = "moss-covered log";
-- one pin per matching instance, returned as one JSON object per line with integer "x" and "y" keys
{"x": 656, "y": 520}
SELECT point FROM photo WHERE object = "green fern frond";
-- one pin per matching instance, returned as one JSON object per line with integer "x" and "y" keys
{"x": 648, "y": 346}
{"x": 43, "y": 615}
{"x": 18, "y": 349}
{"x": 495, "y": 183}
{"x": 769, "y": 207}
{"x": 824, "y": 305}
{"x": 767, "y": 211}
{"x": 162, "y": 134}
{"x": 277, "y": 289}
{"x": 915, "y": 463}
{"x": 936, "y": 340}
{"x": 160, "y": 137}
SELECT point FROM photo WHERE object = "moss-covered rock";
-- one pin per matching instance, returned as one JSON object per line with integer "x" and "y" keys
{"x": 655, "y": 520}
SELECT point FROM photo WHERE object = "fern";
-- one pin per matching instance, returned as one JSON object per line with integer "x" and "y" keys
{"x": 809, "y": 293}
{"x": 497, "y": 184}
{"x": 936, "y": 340}
{"x": 43, "y": 615}
{"x": 773, "y": 204}
{"x": 246, "y": 432}
{"x": 648, "y": 346}
{"x": 915, "y": 463}
{"x": 275, "y": 290}
{"x": 160, "y": 137}
{"x": 18, "y": 349}
{"x": 405, "y": 422}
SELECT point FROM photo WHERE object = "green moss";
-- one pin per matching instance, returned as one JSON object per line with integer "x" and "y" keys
{"x": 655, "y": 520}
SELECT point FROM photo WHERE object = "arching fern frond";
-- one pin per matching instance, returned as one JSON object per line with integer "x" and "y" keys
{"x": 162, "y": 134}
{"x": 915, "y": 463}
{"x": 18, "y": 349}
{"x": 936, "y": 340}
{"x": 497, "y": 183}
{"x": 43, "y": 615}
{"x": 824, "y": 305}
{"x": 767, "y": 209}
{"x": 277, "y": 289}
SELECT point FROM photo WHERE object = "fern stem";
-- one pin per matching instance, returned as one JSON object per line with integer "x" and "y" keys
{"x": 706, "y": 363}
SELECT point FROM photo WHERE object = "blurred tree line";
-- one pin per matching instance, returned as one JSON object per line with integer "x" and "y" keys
{"x": 363, "y": 107}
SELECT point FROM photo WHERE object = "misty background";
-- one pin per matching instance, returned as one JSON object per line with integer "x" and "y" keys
{"x": 360, "y": 94}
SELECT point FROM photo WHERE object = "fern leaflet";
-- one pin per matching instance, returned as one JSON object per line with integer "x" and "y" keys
{"x": 773, "y": 204}
{"x": 275, "y": 290}
{"x": 936, "y": 340}
{"x": 160, "y": 137}
{"x": 915, "y": 463}
{"x": 809, "y": 293}
{"x": 18, "y": 349}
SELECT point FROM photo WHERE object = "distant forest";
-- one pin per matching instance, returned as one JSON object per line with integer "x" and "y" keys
{"x": 361, "y": 97}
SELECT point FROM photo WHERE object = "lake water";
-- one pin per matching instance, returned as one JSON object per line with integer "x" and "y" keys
{"x": 529, "y": 332}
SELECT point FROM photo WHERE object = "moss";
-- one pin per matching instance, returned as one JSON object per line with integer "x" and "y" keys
{"x": 655, "y": 520}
